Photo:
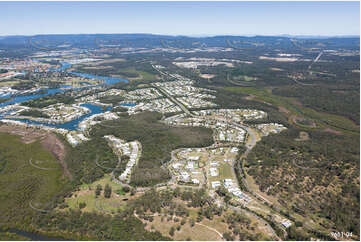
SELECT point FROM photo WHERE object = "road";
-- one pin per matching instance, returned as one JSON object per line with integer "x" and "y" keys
{"x": 315, "y": 60}
{"x": 252, "y": 140}
{"x": 164, "y": 92}
{"x": 301, "y": 83}
{"x": 250, "y": 214}
{"x": 174, "y": 216}
{"x": 174, "y": 100}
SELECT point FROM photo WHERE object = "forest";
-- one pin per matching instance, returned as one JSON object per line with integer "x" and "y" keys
{"x": 157, "y": 140}
{"x": 341, "y": 99}
{"x": 293, "y": 170}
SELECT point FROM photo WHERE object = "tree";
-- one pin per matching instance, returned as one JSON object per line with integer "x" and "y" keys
{"x": 107, "y": 191}
{"x": 192, "y": 222}
{"x": 299, "y": 224}
{"x": 176, "y": 192}
{"x": 98, "y": 190}
{"x": 183, "y": 221}
{"x": 132, "y": 191}
{"x": 227, "y": 199}
{"x": 221, "y": 191}
{"x": 228, "y": 236}
{"x": 171, "y": 231}
{"x": 82, "y": 205}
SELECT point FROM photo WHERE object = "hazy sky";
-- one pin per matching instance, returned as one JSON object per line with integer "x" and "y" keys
{"x": 181, "y": 18}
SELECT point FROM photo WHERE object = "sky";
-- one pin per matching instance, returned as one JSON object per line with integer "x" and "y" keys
{"x": 181, "y": 18}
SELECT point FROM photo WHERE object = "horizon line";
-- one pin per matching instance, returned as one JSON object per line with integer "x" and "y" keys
{"x": 194, "y": 35}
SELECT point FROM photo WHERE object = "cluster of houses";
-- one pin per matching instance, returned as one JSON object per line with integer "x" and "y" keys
{"x": 235, "y": 115}
{"x": 234, "y": 190}
{"x": 75, "y": 137}
{"x": 61, "y": 113}
{"x": 266, "y": 129}
{"x": 56, "y": 53}
{"x": 163, "y": 105}
{"x": 95, "y": 119}
{"x": 194, "y": 63}
{"x": 130, "y": 149}
{"x": 18, "y": 66}
{"x": 213, "y": 171}
{"x": 143, "y": 94}
{"x": 234, "y": 135}
{"x": 224, "y": 132}
{"x": 182, "y": 88}
{"x": 58, "y": 113}
{"x": 94, "y": 98}
{"x": 186, "y": 167}
{"x": 196, "y": 102}
{"x": 286, "y": 223}
{"x": 7, "y": 91}
{"x": 183, "y": 120}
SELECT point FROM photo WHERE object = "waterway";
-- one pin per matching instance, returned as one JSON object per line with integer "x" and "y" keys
{"x": 33, "y": 236}
{"x": 72, "y": 125}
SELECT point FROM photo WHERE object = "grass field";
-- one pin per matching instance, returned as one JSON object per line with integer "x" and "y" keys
{"x": 198, "y": 232}
{"x": 142, "y": 75}
{"x": 206, "y": 230}
{"x": 113, "y": 69}
{"x": 86, "y": 194}
{"x": 244, "y": 78}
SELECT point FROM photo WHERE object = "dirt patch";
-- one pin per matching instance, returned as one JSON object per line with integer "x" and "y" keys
{"x": 296, "y": 102}
{"x": 303, "y": 136}
{"x": 303, "y": 122}
{"x": 207, "y": 76}
{"x": 57, "y": 148}
{"x": 283, "y": 110}
{"x": 253, "y": 97}
{"x": 250, "y": 97}
{"x": 27, "y": 135}
{"x": 332, "y": 131}
{"x": 276, "y": 69}
{"x": 280, "y": 59}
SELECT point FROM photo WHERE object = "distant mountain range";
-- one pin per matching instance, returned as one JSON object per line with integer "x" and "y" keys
{"x": 66, "y": 41}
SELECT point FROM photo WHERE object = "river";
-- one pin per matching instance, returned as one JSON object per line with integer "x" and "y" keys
{"x": 33, "y": 236}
